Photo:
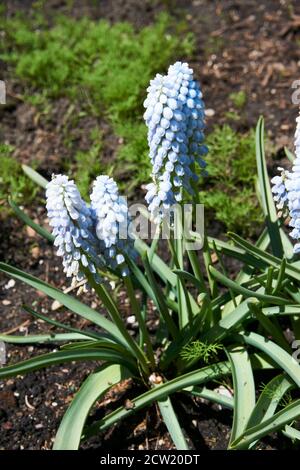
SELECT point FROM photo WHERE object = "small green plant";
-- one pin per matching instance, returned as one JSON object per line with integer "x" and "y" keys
{"x": 13, "y": 180}
{"x": 239, "y": 98}
{"x": 200, "y": 350}
{"x": 87, "y": 164}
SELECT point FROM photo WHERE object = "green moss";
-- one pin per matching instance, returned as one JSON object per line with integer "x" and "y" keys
{"x": 13, "y": 182}
{"x": 88, "y": 165}
{"x": 239, "y": 98}
{"x": 230, "y": 186}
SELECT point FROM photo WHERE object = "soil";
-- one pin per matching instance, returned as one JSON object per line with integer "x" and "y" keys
{"x": 253, "y": 47}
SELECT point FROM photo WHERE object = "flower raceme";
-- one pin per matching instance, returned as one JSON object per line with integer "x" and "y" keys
{"x": 87, "y": 237}
{"x": 286, "y": 189}
{"x": 175, "y": 119}
{"x": 112, "y": 221}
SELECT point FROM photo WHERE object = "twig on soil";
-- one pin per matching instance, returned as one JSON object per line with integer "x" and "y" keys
{"x": 28, "y": 404}
{"x": 16, "y": 328}
{"x": 56, "y": 305}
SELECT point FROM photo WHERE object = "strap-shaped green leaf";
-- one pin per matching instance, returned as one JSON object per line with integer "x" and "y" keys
{"x": 269, "y": 399}
{"x": 73, "y": 304}
{"x": 244, "y": 389}
{"x": 46, "y": 360}
{"x": 179, "y": 383}
{"x": 46, "y": 338}
{"x": 278, "y": 421}
{"x": 171, "y": 421}
{"x": 28, "y": 221}
{"x": 277, "y": 354}
{"x": 95, "y": 386}
{"x": 35, "y": 176}
{"x": 246, "y": 292}
{"x": 291, "y": 269}
{"x": 266, "y": 196}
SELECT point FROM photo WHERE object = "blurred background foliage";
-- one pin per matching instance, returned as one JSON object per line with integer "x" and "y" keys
{"x": 104, "y": 71}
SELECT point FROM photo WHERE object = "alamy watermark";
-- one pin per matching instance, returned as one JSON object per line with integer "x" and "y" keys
{"x": 296, "y": 94}
{"x": 179, "y": 222}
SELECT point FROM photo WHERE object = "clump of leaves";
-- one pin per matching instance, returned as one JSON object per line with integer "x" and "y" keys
{"x": 13, "y": 180}
{"x": 230, "y": 186}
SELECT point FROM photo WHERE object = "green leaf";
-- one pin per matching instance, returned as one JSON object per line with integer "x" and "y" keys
{"x": 266, "y": 193}
{"x": 157, "y": 263}
{"x": 46, "y": 338}
{"x": 238, "y": 253}
{"x": 66, "y": 300}
{"x": 228, "y": 323}
{"x": 244, "y": 389}
{"x": 95, "y": 386}
{"x": 282, "y": 310}
{"x": 289, "y": 155}
{"x": 89, "y": 334}
{"x": 189, "y": 277}
{"x": 28, "y": 221}
{"x": 35, "y": 176}
{"x": 203, "y": 375}
{"x": 292, "y": 433}
{"x": 211, "y": 395}
{"x": 270, "y": 327}
{"x": 244, "y": 291}
{"x": 160, "y": 301}
{"x": 60, "y": 357}
{"x": 291, "y": 270}
{"x": 161, "y": 269}
{"x": 281, "y": 357}
{"x": 171, "y": 421}
{"x": 278, "y": 421}
{"x": 269, "y": 399}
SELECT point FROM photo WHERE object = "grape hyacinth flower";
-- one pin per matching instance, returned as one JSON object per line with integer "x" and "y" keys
{"x": 72, "y": 224}
{"x": 287, "y": 191}
{"x": 279, "y": 190}
{"x": 112, "y": 222}
{"x": 175, "y": 119}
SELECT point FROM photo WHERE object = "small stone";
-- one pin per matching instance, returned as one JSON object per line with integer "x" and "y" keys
{"x": 35, "y": 251}
{"x": 54, "y": 404}
{"x": 11, "y": 283}
{"x": 30, "y": 232}
{"x": 210, "y": 112}
{"x": 131, "y": 319}
{"x": 6, "y": 302}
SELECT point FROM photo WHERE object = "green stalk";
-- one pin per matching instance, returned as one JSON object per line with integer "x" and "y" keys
{"x": 116, "y": 317}
{"x": 206, "y": 251}
{"x": 162, "y": 306}
{"x": 143, "y": 329}
{"x": 196, "y": 269}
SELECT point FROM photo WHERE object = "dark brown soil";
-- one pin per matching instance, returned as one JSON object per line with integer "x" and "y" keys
{"x": 253, "y": 47}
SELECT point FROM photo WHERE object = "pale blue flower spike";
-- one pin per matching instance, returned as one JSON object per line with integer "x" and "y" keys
{"x": 72, "y": 224}
{"x": 112, "y": 216}
{"x": 286, "y": 189}
{"x": 175, "y": 119}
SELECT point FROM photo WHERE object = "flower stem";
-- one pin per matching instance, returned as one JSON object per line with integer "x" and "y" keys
{"x": 137, "y": 312}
